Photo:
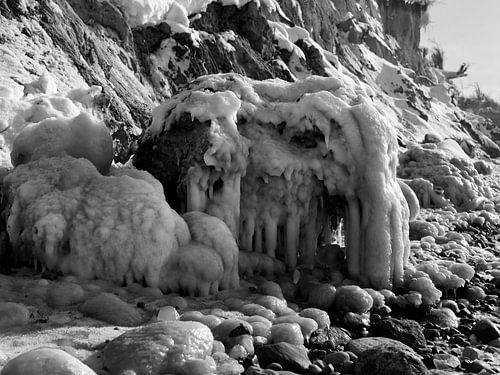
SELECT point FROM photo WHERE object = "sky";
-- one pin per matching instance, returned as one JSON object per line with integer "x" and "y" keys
{"x": 468, "y": 31}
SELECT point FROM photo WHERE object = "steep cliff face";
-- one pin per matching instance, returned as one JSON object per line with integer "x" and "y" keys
{"x": 403, "y": 20}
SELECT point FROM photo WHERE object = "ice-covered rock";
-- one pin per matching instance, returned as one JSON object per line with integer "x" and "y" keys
{"x": 263, "y": 157}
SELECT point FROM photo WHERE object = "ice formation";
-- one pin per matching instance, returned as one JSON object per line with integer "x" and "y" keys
{"x": 278, "y": 162}
{"x": 80, "y": 137}
{"x": 74, "y": 220}
{"x": 63, "y": 214}
{"x": 442, "y": 173}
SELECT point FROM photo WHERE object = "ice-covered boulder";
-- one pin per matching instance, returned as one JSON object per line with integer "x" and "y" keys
{"x": 81, "y": 137}
{"x": 278, "y": 161}
{"x": 442, "y": 171}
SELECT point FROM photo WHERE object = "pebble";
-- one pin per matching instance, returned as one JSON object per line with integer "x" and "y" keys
{"x": 46, "y": 361}
{"x": 329, "y": 338}
{"x": 407, "y": 331}
{"x": 351, "y": 298}
{"x": 443, "y": 317}
{"x": 168, "y": 313}
{"x": 470, "y": 353}
{"x": 320, "y": 316}
{"x": 475, "y": 293}
{"x": 168, "y": 345}
{"x": 112, "y": 309}
{"x": 287, "y": 332}
{"x": 322, "y": 296}
{"x": 290, "y": 357}
{"x": 336, "y": 358}
{"x": 64, "y": 294}
{"x": 13, "y": 314}
{"x": 485, "y": 330}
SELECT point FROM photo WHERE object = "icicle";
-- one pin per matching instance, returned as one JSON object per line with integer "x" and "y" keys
{"x": 193, "y": 196}
{"x": 210, "y": 191}
{"x": 311, "y": 237}
{"x": 353, "y": 233}
{"x": 271, "y": 231}
{"x": 258, "y": 240}
{"x": 292, "y": 238}
{"x": 247, "y": 232}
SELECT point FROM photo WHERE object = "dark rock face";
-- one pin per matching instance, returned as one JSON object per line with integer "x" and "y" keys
{"x": 385, "y": 361}
{"x": 169, "y": 163}
{"x": 409, "y": 332}
{"x": 403, "y": 21}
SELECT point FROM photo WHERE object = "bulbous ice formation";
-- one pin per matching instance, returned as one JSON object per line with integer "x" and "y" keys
{"x": 278, "y": 162}
{"x": 63, "y": 214}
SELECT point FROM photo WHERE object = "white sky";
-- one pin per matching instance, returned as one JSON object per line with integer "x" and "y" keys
{"x": 468, "y": 31}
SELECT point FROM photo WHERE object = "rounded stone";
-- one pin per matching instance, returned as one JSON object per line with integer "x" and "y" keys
{"x": 65, "y": 294}
{"x": 111, "y": 309}
{"x": 13, "y": 314}
{"x": 46, "y": 361}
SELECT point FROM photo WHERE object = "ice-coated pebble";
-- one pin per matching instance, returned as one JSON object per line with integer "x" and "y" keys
{"x": 336, "y": 358}
{"x": 307, "y": 325}
{"x": 238, "y": 352}
{"x": 255, "y": 309}
{"x": 443, "y": 317}
{"x": 46, "y": 361}
{"x": 63, "y": 294}
{"x": 178, "y": 302}
{"x": 231, "y": 328}
{"x": 452, "y": 305}
{"x": 462, "y": 270}
{"x": 211, "y": 321}
{"x": 165, "y": 345}
{"x": 320, "y": 316}
{"x": 13, "y": 314}
{"x": 199, "y": 366}
{"x": 111, "y": 309}
{"x": 275, "y": 304}
{"x": 233, "y": 303}
{"x": 218, "y": 346}
{"x": 377, "y": 297}
{"x": 475, "y": 293}
{"x": 144, "y": 291}
{"x": 244, "y": 340}
{"x": 271, "y": 288}
{"x": 322, "y": 296}
{"x": 351, "y": 298}
{"x": 168, "y": 313}
{"x": 261, "y": 329}
{"x": 226, "y": 365}
{"x": 287, "y": 332}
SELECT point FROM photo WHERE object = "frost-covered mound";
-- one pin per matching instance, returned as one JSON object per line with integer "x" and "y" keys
{"x": 452, "y": 172}
{"x": 64, "y": 215}
{"x": 279, "y": 161}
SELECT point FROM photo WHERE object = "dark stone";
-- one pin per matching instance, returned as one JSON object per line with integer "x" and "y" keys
{"x": 291, "y": 357}
{"x": 477, "y": 366}
{"x": 329, "y": 338}
{"x": 409, "y": 332}
{"x": 389, "y": 360}
{"x": 169, "y": 156}
{"x": 485, "y": 330}
{"x": 111, "y": 309}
